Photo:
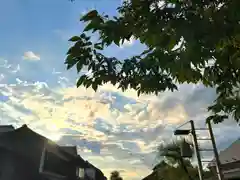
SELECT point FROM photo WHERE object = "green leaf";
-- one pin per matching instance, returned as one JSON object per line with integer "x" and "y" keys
{"x": 81, "y": 80}
{"x": 70, "y": 61}
{"x": 88, "y": 83}
{"x": 89, "y": 15}
{"x": 217, "y": 118}
{"x": 89, "y": 26}
{"x": 74, "y": 38}
{"x": 83, "y": 35}
{"x": 94, "y": 86}
{"x": 72, "y": 50}
{"x": 98, "y": 46}
{"x": 79, "y": 66}
{"x": 138, "y": 93}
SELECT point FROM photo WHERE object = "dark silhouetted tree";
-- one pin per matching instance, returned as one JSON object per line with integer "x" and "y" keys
{"x": 115, "y": 175}
{"x": 172, "y": 152}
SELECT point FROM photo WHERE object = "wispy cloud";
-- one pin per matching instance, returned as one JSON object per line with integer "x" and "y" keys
{"x": 29, "y": 55}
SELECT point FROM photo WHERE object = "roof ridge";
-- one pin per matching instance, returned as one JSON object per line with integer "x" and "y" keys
{"x": 222, "y": 153}
{"x": 230, "y": 145}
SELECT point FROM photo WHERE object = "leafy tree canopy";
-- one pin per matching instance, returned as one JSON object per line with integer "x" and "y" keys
{"x": 187, "y": 41}
{"x": 167, "y": 171}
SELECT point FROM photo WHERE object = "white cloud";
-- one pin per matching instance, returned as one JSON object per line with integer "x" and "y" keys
{"x": 29, "y": 55}
{"x": 127, "y": 43}
{"x": 6, "y": 68}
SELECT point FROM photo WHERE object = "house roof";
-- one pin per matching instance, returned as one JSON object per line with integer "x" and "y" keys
{"x": 157, "y": 169}
{"x": 154, "y": 175}
{"x": 150, "y": 176}
{"x": 30, "y": 144}
{"x": 24, "y": 142}
{"x": 6, "y": 128}
{"x": 230, "y": 154}
{"x": 70, "y": 149}
{"x": 99, "y": 173}
{"x": 78, "y": 160}
{"x": 160, "y": 165}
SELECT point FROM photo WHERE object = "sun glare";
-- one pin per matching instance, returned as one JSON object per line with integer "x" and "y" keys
{"x": 52, "y": 127}
{"x": 54, "y": 137}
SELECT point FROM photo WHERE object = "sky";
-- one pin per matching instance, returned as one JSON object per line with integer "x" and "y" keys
{"x": 113, "y": 130}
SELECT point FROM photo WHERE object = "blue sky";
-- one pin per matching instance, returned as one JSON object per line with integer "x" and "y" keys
{"x": 114, "y": 130}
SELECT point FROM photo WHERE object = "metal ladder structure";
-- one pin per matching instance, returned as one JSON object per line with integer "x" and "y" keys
{"x": 214, "y": 150}
{"x": 195, "y": 140}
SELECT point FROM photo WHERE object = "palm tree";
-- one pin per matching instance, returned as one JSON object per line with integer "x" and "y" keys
{"x": 115, "y": 175}
{"x": 172, "y": 152}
